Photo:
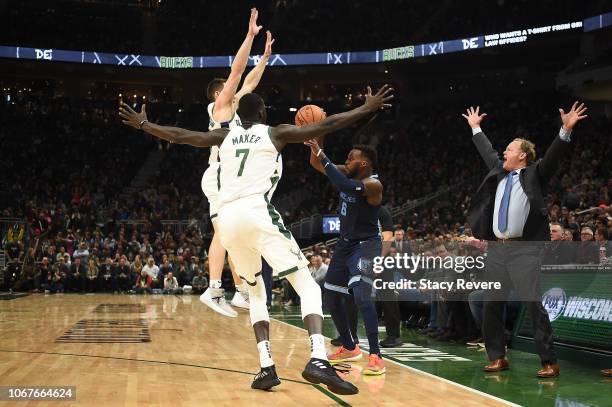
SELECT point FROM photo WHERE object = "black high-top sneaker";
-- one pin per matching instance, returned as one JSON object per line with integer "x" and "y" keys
{"x": 321, "y": 371}
{"x": 266, "y": 379}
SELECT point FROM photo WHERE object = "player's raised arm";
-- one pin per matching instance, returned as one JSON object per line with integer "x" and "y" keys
{"x": 172, "y": 134}
{"x": 316, "y": 148}
{"x": 286, "y": 133}
{"x": 369, "y": 187}
{"x": 252, "y": 79}
{"x": 224, "y": 108}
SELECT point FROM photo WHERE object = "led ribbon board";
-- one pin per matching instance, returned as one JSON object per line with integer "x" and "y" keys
{"x": 324, "y": 58}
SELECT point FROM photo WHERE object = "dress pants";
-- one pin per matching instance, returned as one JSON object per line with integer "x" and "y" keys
{"x": 516, "y": 265}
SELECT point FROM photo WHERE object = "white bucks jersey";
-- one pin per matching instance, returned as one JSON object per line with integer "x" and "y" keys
{"x": 250, "y": 164}
{"x": 212, "y": 125}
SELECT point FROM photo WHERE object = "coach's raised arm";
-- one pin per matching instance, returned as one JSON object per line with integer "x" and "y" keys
{"x": 519, "y": 154}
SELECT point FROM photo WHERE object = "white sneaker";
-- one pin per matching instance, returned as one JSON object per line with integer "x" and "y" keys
{"x": 241, "y": 300}
{"x": 217, "y": 303}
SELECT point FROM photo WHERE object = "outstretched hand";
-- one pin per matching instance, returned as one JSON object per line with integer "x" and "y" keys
{"x": 253, "y": 27}
{"x": 314, "y": 146}
{"x": 269, "y": 42}
{"x": 380, "y": 99}
{"x": 473, "y": 117}
{"x": 130, "y": 117}
{"x": 572, "y": 117}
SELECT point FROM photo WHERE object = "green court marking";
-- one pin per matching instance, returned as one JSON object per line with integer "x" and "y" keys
{"x": 579, "y": 385}
{"x": 331, "y": 395}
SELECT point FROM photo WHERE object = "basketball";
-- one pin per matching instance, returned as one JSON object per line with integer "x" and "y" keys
{"x": 309, "y": 114}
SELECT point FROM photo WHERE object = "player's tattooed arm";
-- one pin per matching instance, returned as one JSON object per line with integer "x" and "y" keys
{"x": 373, "y": 191}
{"x": 286, "y": 133}
{"x": 172, "y": 134}
{"x": 184, "y": 136}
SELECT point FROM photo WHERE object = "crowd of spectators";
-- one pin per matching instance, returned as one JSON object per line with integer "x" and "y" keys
{"x": 95, "y": 261}
{"x": 426, "y": 151}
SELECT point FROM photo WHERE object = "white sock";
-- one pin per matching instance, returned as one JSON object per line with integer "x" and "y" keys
{"x": 317, "y": 347}
{"x": 265, "y": 357}
{"x": 215, "y": 283}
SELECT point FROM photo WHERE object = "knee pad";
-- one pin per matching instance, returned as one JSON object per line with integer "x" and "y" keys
{"x": 258, "y": 310}
{"x": 308, "y": 290}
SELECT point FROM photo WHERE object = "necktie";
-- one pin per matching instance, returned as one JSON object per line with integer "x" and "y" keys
{"x": 502, "y": 216}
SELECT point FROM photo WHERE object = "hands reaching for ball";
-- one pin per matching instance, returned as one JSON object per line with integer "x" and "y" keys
{"x": 314, "y": 146}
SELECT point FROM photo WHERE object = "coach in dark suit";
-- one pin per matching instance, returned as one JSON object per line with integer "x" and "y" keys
{"x": 509, "y": 211}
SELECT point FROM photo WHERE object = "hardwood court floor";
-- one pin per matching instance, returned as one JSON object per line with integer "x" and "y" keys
{"x": 172, "y": 350}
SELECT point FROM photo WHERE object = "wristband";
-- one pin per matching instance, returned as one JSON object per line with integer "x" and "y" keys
{"x": 325, "y": 161}
{"x": 319, "y": 152}
{"x": 142, "y": 123}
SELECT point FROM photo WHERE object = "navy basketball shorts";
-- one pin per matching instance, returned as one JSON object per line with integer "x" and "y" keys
{"x": 352, "y": 263}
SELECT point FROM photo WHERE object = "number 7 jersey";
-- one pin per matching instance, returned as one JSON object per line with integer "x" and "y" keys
{"x": 249, "y": 164}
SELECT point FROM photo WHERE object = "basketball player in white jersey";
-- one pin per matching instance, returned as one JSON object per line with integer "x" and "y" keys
{"x": 251, "y": 228}
{"x": 222, "y": 113}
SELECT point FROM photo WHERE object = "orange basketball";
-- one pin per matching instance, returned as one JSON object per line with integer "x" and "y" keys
{"x": 309, "y": 114}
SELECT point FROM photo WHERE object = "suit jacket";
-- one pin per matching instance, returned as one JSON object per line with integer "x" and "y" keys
{"x": 405, "y": 246}
{"x": 81, "y": 269}
{"x": 534, "y": 178}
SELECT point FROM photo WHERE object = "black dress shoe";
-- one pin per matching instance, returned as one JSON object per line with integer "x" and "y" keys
{"x": 426, "y": 331}
{"x": 461, "y": 340}
{"x": 423, "y": 321}
{"x": 391, "y": 342}
{"x": 448, "y": 336}
{"x": 412, "y": 321}
{"x": 437, "y": 332}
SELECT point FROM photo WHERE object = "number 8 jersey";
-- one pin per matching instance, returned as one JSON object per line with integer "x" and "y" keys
{"x": 249, "y": 164}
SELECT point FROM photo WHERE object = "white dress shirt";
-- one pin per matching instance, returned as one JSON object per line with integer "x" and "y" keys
{"x": 518, "y": 207}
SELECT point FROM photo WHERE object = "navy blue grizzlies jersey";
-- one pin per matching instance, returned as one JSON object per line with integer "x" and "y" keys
{"x": 358, "y": 219}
